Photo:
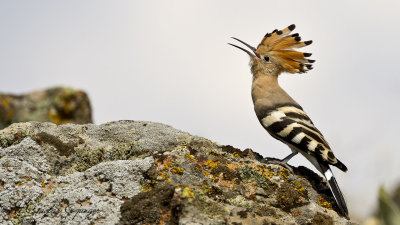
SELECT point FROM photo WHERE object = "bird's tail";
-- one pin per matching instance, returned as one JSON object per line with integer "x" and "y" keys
{"x": 337, "y": 194}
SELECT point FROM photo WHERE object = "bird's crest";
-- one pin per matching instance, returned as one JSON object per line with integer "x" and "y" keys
{"x": 278, "y": 47}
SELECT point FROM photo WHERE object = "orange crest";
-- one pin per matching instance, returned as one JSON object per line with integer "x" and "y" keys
{"x": 278, "y": 48}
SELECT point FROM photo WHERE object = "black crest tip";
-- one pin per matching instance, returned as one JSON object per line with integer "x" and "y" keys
{"x": 307, "y": 54}
{"x": 291, "y": 27}
{"x": 308, "y": 42}
{"x": 311, "y": 61}
{"x": 295, "y": 35}
{"x": 297, "y": 38}
{"x": 279, "y": 32}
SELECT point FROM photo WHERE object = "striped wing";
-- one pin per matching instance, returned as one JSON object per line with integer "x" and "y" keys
{"x": 291, "y": 125}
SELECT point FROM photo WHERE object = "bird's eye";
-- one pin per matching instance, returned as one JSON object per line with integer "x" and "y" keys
{"x": 266, "y": 58}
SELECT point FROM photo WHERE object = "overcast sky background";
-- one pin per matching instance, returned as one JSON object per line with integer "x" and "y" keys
{"x": 168, "y": 61}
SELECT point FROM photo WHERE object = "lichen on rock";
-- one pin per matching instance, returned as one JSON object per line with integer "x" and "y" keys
{"x": 58, "y": 105}
{"x": 135, "y": 172}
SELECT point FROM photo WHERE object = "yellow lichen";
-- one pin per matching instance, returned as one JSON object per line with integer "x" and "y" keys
{"x": 177, "y": 170}
{"x": 198, "y": 169}
{"x": 284, "y": 174}
{"x": 211, "y": 164}
{"x": 163, "y": 174}
{"x": 190, "y": 157}
{"x": 232, "y": 166}
{"x": 187, "y": 193}
{"x": 146, "y": 188}
{"x": 10, "y": 113}
{"x": 266, "y": 172}
{"x": 6, "y": 103}
{"x": 167, "y": 164}
{"x": 54, "y": 116}
{"x": 322, "y": 202}
{"x": 235, "y": 154}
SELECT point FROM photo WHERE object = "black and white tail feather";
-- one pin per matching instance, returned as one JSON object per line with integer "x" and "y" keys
{"x": 337, "y": 194}
{"x": 291, "y": 125}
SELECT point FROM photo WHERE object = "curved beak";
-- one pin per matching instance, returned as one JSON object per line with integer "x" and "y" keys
{"x": 253, "y": 50}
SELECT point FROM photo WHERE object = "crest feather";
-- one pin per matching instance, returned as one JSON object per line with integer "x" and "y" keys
{"x": 280, "y": 44}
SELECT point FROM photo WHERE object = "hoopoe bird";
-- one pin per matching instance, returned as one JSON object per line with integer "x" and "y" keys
{"x": 278, "y": 113}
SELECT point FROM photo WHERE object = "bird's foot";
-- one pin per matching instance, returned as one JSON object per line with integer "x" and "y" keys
{"x": 282, "y": 163}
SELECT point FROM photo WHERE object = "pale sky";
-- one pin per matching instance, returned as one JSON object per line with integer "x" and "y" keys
{"x": 169, "y": 62}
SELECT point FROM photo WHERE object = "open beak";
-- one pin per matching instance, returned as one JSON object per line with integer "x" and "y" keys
{"x": 253, "y": 50}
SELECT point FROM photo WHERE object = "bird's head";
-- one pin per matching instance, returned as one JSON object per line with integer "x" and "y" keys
{"x": 275, "y": 53}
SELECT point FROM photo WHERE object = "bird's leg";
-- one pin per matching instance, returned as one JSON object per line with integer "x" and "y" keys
{"x": 282, "y": 162}
{"x": 287, "y": 158}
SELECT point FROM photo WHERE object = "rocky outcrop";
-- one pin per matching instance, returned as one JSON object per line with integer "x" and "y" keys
{"x": 130, "y": 172}
{"x": 57, "y": 105}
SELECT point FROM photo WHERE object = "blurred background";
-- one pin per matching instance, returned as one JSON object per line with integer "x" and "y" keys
{"x": 169, "y": 62}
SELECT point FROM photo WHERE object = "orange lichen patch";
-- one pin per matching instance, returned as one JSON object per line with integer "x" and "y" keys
{"x": 211, "y": 164}
{"x": 198, "y": 169}
{"x": 167, "y": 164}
{"x": 146, "y": 188}
{"x": 190, "y": 157}
{"x": 284, "y": 173}
{"x": 6, "y": 103}
{"x": 298, "y": 187}
{"x": 232, "y": 166}
{"x": 163, "y": 174}
{"x": 169, "y": 181}
{"x": 265, "y": 171}
{"x": 235, "y": 154}
{"x": 283, "y": 197}
{"x": 177, "y": 170}
{"x": 322, "y": 202}
{"x": 54, "y": 116}
{"x": 297, "y": 213}
{"x": 43, "y": 183}
{"x": 164, "y": 163}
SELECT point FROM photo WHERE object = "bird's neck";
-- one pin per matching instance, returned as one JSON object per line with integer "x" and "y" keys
{"x": 264, "y": 85}
{"x": 267, "y": 93}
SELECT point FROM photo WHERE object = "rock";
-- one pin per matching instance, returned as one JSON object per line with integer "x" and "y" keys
{"x": 57, "y": 105}
{"x": 134, "y": 172}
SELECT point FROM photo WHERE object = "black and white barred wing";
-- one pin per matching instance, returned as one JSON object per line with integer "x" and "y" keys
{"x": 291, "y": 125}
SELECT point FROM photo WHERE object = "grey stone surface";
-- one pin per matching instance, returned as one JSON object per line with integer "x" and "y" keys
{"x": 136, "y": 172}
{"x": 94, "y": 195}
